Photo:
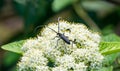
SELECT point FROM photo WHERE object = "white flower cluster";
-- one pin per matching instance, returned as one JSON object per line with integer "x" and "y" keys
{"x": 48, "y": 52}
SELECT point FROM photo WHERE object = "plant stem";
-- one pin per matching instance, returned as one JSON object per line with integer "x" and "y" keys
{"x": 82, "y": 13}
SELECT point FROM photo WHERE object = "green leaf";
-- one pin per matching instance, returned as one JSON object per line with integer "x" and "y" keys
{"x": 109, "y": 47}
{"x": 98, "y": 5}
{"x": 33, "y": 11}
{"x": 57, "y": 5}
{"x": 10, "y": 59}
{"x": 23, "y": 2}
{"x": 108, "y": 29}
{"x": 111, "y": 38}
{"x": 110, "y": 68}
{"x": 110, "y": 44}
{"x": 14, "y": 47}
{"x": 109, "y": 59}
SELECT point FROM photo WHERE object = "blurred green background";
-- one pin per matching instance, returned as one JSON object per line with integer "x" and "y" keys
{"x": 19, "y": 18}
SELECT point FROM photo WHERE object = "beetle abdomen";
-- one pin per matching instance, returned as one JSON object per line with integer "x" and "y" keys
{"x": 63, "y": 37}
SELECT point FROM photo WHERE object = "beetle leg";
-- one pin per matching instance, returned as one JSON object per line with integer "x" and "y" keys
{"x": 68, "y": 30}
{"x": 65, "y": 51}
{"x": 55, "y": 37}
{"x": 57, "y": 43}
{"x": 73, "y": 42}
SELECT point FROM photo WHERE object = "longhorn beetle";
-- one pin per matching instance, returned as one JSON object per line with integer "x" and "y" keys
{"x": 62, "y": 36}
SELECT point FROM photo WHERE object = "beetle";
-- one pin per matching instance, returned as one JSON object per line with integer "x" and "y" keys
{"x": 62, "y": 36}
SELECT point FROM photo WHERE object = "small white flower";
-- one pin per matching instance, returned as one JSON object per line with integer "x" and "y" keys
{"x": 80, "y": 67}
{"x": 49, "y": 52}
{"x": 88, "y": 56}
{"x": 53, "y": 53}
{"x": 31, "y": 43}
{"x": 31, "y": 59}
{"x": 66, "y": 61}
{"x": 42, "y": 68}
{"x": 59, "y": 69}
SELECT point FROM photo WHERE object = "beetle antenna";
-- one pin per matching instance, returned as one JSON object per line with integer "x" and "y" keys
{"x": 44, "y": 26}
{"x": 59, "y": 24}
{"x": 38, "y": 28}
{"x": 52, "y": 29}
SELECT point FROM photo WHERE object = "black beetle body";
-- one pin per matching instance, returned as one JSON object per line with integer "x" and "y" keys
{"x": 63, "y": 37}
